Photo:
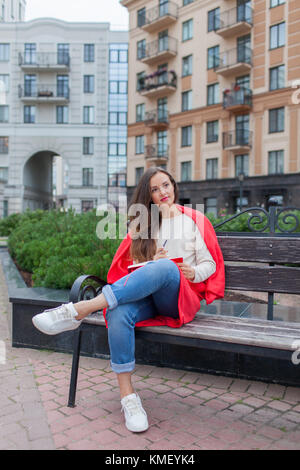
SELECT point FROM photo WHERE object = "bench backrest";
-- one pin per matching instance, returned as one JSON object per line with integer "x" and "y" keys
{"x": 258, "y": 263}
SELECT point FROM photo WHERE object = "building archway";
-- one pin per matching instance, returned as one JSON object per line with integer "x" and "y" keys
{"x": 38, "y": 181}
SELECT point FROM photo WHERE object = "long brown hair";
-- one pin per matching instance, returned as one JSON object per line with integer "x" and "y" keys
{"x": 143, "y": 247}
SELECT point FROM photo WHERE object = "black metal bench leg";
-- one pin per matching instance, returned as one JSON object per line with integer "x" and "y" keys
{"x": 75, "y": 364}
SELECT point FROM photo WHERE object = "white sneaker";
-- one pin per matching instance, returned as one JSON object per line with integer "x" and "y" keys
{"x": 56, "y": 320}
{"x": 135, "y": 415}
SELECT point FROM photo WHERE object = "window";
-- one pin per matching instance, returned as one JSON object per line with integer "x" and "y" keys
{"x": 187, "y": 65}
{"x": 117, "y": 118}
{"x": 63, "y": 54}
{"x": 3, "y": 145}
{"x": 213, "y": 19}
{"x": 187, "y": 30}
{"x": 187, "y": 2}
{"x": 277, "y": 77}
{"x": 275, "y": 3}
{"x": 4, "y": 173}
{"x": 87, "y": 205}
{"x": 186, "y": 100}
{"x": 186, "y": 171}
{"x": 88, "y": 114}
{"x": 242, "y": 165}
{"x": 213, "y": 94}
{"x": 89, "y": 52}
{"x": 118, "y": 87}
{"x": 88, "y": 83}
{"x": 141, "y": 49}
{"x": 276, "y": 120}
{"x": 141, "y": 17}
{"x": 277, "y": 35}
{"x": 212, "y": 131}
{"x": 62, "y": 114}
{"x": 118, "y": 56}
{"x": 4, "y": 113}
{"x": 210, "y": 205}
{"x": 276, "y": 162}
{"x": 4, "y": 83}
{"x": 115, "y": 149}
{"x": 186, "y": 136}
{"x": 88, "y": 146}
{"x": 140, "y": 81}
{"x": 139, "y": 144}
{"x": 62, "y": 82}
{"x": 4, "y": 52}
{"x": 138, "y": 174}
{"x": 29, "y": 53}
{"x": 211, "y": 168}
{"x": 213, "y": 57}
{"x": 87, "y": 176}
{"x": 140, "y": 112}
{"x": 29, "y": 114}
{"x": 30, "y": 85}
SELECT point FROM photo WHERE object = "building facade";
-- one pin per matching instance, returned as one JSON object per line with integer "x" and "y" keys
{"x": 54, "y": 78}
{"x": 214, "y": 98}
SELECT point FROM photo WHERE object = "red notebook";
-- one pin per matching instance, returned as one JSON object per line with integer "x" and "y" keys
{"x": 133, "y": 267}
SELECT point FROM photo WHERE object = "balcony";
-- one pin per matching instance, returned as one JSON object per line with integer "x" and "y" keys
{"x": 44, "y": 94}
{"x": 238, "y": 140}
{"x": 157, "y": 153}
{"x": 159, "y": 17}
{"x": 159, "y": 84}
{"x": 45, "y": 62}
{"x": 238, "y": 99}
{"x": 237, "y": 61}
{"x": 235, "y": 22}
{"x": 162, "y": 49}
{"x": 157, "y": 119}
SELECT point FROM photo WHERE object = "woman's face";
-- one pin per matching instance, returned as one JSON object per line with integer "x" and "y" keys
{"x": 162, "y": 190}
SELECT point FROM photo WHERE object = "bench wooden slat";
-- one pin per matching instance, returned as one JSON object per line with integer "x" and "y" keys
{"x": 263, "y": 278}
{"x": 261, "y": 250}
{"x": 247, "y": 331}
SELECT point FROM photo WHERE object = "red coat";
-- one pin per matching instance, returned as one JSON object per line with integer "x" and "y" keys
{"x": 190, "y": 293}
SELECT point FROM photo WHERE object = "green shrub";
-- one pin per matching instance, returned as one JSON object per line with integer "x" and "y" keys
{"x": 57, "y": 247}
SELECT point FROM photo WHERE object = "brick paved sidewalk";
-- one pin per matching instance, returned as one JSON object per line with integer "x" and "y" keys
{"x": 186, "y": 410}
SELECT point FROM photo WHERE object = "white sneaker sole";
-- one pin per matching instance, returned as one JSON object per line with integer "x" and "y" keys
{"x": 133, "y": 429}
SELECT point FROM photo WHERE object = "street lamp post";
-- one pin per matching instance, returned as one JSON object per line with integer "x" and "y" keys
{"x": 241, "y": 178}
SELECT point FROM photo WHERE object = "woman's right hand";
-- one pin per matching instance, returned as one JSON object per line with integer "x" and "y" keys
{"x": 160, "y": 253}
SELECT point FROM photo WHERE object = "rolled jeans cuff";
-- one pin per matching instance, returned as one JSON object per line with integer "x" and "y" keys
{"x": 119, "y": 368}
{"x": 109, "y": 296}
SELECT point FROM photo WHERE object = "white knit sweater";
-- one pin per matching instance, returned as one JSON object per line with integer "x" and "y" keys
{"x": 184, "y": 240}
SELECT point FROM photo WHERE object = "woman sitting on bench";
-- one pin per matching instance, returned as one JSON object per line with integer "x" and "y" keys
{"x": 163, "y": 291}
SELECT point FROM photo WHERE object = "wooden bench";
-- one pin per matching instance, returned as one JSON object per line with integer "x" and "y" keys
{"x": 252, "y": 263}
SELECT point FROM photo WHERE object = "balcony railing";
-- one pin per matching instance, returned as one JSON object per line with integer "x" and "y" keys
{"x": 160, "y": 81}
{"x": 235, "y": 21}
{"x": 163, "y": 48}
{"x": 237, "y": 60}
{"x": 156, "y": 116}
{"x": 159, "y": 16}
{"x": 44, "y": 92}
{"x": 237, "y": 139}
{"x": 44, "y": 60}
{"x": 157, "y": 152}
{"x": 237, "y": 98}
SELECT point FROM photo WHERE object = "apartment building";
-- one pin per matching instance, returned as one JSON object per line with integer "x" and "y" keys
{"x": 54, "y": 82}
{"x": 214, "y": 98}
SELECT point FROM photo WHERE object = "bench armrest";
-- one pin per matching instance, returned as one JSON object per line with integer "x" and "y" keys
{"x": 82, "y": 290}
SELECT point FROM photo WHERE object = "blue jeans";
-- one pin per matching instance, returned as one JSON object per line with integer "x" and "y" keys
{"x": 145, "y": 293}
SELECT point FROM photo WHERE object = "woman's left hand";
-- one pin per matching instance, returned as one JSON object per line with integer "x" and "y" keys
{"x": 187, "y": 271}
